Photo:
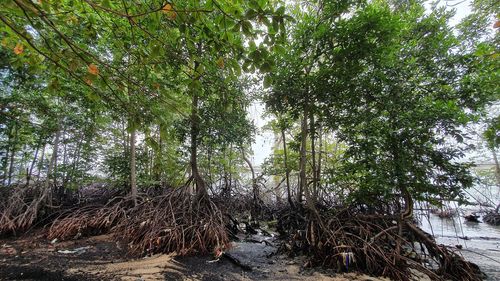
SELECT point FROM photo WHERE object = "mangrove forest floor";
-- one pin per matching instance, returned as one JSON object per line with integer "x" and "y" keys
{"x": 33, "y": 257}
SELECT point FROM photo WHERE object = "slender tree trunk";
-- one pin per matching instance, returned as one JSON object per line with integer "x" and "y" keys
{"x": 23, "y": 163}
{"x": 151, "y": 163}
{"x": 52, "y": 165}
{"x": 133, "y": 179}
{"x": 12, "y": 155}
{"x": 55, "y": 167}
{"x": 6, "y": 162}
{"x": 40, "y": 165}
{"x": 146, "y": 167}
{"x": 318, "y": 172}
{"x": 11, "y": 164}
{"x": 201, "y": 190}
{"x": 76, "y": 160}
{"x": 159, "y": 158}
{"x": 313, "y": 155}
{"x": 209, "y": 159}
{"x": 255, "y": 187}
{"x": 303, "y": 159}
{"x": 287, "y": 171}
{"x": 30, "y": 171}
{"x": 497, "y": 166}
{"x": 226, "y": 190}
{"x": 65, "y": 158}
{"x": 399, "y": 182}
{"x": 229, "y": 162}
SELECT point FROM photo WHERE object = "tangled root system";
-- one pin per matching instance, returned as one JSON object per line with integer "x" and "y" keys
{"x": 374, "y": 244}
{"x": 174, "y": 222}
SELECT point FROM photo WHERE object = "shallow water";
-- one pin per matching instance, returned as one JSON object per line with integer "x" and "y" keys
{"x": 452, "y": 230}
{"x": 481, "y": 244}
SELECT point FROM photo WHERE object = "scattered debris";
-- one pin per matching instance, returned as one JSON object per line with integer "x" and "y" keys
{"x": 80, "y": 250}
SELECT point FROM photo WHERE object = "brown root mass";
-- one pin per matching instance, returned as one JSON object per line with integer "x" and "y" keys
{"x": 175, "y": 222}
{"x": 89, "y": 220}
{"x": 375, "y": 244}
{"x": 21, "y": 207}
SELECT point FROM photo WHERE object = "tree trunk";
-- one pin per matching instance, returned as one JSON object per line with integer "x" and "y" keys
{"x": 497, "y": 166}
{"x": 11, "y": 164}
{"x": 318, "y": 171}
{"x": 287, "y": 171}
{"x": 226, "y": 190}
{"x": 125, "y": 138}
{"x": 5, "y": 163}
{"x": 30, "y": 171}
{"x": 133, "y": 179}
{"x": 303, "y": 159}
{"x": 255, "y": 187}
{"x": 12, "y": 155}
{"x": 209, "y": 159}
{"x": 52, "y": 165}
{"x": 40, "y": 165}
{"x": 146, "y": 167}
{"x": 229, "y": 164}
{"x": 65, "y": 157}
{"x": 201, "y": 190}
{"x": 400, "y": 185}
{"x": 76, "y": 160}
{"x": 313, "y": 156}
{"x": 159, "y": 159}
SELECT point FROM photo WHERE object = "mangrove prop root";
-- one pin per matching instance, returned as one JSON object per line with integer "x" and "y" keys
{"x": 347, "y": 240}
{"x": 20, "y": 207}
{"x": 89, "y": 220}
{"x": 173, "y": 222}
{"x": 176, "y": 222}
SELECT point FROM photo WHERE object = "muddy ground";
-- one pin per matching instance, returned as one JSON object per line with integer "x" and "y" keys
{"x": 100, "y": 258}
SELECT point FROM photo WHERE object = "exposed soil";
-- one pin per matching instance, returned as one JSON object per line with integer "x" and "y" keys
{"x": 100, "y": 258}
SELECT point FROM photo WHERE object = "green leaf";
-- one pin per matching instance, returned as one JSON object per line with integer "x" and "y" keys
{"x": 265, "y": 67}
{"x": 267, "y": 81}
{"x": 279, "y": 49}
{"x": 246, "y": 27}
